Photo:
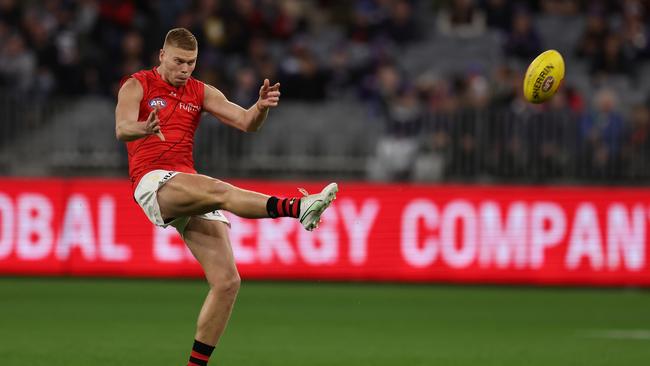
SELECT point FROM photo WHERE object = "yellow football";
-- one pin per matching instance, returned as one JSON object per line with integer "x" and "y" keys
{"x": 544, "y": 76}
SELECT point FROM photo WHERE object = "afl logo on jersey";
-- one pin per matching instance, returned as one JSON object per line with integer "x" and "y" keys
{"x": 159, "y": 103}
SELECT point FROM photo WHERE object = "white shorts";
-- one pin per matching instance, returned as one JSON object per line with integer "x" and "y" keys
{"x": 146, "y": 194}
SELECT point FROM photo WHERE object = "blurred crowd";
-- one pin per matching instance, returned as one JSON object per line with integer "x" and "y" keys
{"x": 324, "y": 49}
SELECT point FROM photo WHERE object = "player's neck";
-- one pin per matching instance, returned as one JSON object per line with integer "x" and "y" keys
{"x": 163, "y": 76}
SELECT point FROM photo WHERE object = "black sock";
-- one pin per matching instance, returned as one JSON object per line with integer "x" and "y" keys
{"x": 283, "y": 207}
{"x": 200, "y": 354}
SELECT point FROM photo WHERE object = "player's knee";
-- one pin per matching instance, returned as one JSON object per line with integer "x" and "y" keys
{"x": 227, "y": 285}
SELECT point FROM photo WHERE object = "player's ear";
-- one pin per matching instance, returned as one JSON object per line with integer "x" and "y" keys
{"x": 161, "y": 54}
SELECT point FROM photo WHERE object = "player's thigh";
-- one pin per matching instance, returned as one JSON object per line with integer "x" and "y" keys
{"x": 208, "y": 240}
{"x": 188, "y": 194}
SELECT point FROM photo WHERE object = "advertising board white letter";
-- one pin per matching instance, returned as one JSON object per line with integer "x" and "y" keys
{"x": 542, "y": 236}
{"x": 413, "y": 253}
{"x": 327, "y": 234}
{"x": 586, "y": 238}
{"x": 358, "y": 224}
{"x": 77, "y": 229}
{"x": 35, "y": 236}
{"x": 462, "y": 254}
{"x": 241, "y": 229}
{"x": 272, "y": 240}
{"x": 109, "y": 250}
{"x": 502, "y": 243}
{"x": 6, "y": 226}
{"x": 625, "y": 237}
{"x": 164, "y": 250}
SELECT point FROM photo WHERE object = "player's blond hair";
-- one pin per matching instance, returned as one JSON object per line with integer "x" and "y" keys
{"x": 181, "y": 38}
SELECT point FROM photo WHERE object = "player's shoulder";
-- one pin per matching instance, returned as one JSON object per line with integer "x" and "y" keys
{"x": 138, "y": 81}
{"x": 131, "y": 86}
{"x": 142, "y": 76}
{"x": 147, "y": 73}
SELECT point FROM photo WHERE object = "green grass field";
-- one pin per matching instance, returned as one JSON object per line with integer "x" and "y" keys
{"x": 69, "y": 322}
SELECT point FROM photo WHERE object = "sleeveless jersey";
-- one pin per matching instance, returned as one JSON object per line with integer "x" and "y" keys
{"x": 179, "y": 112}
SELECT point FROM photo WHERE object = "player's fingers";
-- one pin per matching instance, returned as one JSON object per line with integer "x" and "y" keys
{"x": 160, "y": 135}
{"x": 275, "y": 86}
{"x": 153, "y": 116}
{"x": 266, "y": 83}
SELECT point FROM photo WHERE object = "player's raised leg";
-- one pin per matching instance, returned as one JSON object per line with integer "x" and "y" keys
{"x": 208, "y": 241}
{"x": 193, "y": 194}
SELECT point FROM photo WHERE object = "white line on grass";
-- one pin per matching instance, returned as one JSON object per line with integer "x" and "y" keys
{"x": 632, "y": 334}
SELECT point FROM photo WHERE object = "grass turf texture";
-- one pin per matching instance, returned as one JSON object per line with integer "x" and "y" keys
{"x": 69, "y": 322}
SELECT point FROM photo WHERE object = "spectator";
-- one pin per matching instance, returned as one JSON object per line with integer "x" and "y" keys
{"x": 613, "y": 58}
{"x": 132, "y": 53}
{"x": 523, "y": 41}
{"x": 398, "y": 147}
{"x": 242, "y": 19}
{"x": 637, "y": 149}
{"x": 504, "y": 86}
{"x": 401, "y": 112}
{"x": 634, "y": 30}
{"x": 17, "y": 64}
{"x": 246, "y": 87}
{"x": 498, "y": 14}
{"x": 477, "y": 94}
{"x": 549, "y": 130}
{"x": 462, "y": 19}
{"x": 286, "y": 18}
{"x": 10, "y": 12}
{"x": 600, "y": 134}
{"x": 302, "y": 77}
{"x": 593, "y": 37}
{"x": 401, "y": 26}
{"x": 41, "y": 43}
{"x": 560, "y": 7}
{"x": 367, "y": 15}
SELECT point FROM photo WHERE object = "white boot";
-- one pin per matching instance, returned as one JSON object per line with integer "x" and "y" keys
{"x": 312, "y": 206}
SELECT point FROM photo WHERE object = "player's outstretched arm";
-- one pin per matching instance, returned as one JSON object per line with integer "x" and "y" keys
{"x": 127, "y": 126}
{"x": 248, "y": 120}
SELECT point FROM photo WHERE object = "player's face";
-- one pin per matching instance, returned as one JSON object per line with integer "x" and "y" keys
{"x": 177, "y": 64}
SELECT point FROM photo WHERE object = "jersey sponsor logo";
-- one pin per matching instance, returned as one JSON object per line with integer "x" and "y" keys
{"x": 189, "y": 107}
{"x": 157, "y": 103}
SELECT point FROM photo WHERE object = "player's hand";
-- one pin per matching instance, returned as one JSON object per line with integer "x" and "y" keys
{"x": 152, "y": 125}
{"x": 269, "y": 95}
